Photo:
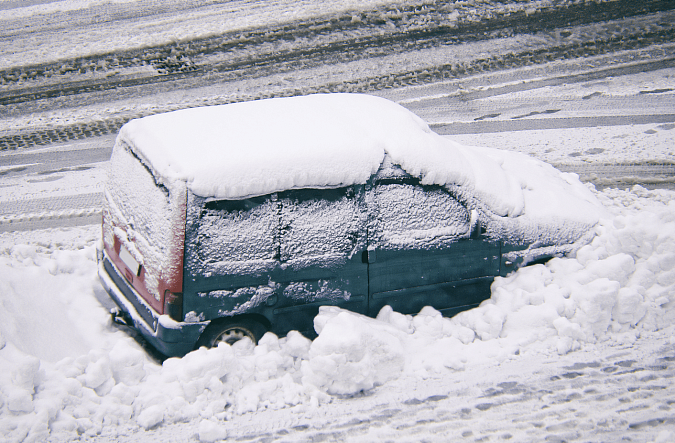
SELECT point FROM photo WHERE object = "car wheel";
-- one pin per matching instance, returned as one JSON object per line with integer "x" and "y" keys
{"x": 230, "y": 332}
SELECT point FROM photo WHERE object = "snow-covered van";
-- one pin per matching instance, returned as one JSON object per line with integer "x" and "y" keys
{"x": 228, "y": 221}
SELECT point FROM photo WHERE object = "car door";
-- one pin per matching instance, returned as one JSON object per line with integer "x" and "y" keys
{"x": 231, "y": 250}
{"x": 322, "y": 236}
{"x": 420, "y": 250}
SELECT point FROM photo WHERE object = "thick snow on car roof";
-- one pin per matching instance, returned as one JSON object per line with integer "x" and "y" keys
{"x": 329, "y": 140}
{"x": 259, "y": 147}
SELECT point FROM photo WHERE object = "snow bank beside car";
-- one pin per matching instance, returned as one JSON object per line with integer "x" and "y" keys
{"x": 64, "y": 371}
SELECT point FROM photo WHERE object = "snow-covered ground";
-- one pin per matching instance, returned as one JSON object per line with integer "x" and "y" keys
{"x": 578, "y": 349}
{"x": 104, "y": 26}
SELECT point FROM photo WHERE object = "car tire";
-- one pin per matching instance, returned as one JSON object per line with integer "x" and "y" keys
{"x": 230, "y": 332}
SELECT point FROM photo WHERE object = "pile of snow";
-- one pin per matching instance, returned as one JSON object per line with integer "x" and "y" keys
{"x": 65, "y": 371}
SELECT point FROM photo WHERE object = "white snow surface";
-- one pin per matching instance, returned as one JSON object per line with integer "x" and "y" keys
{"x": 332, "y": 140}
{"x": 143, "y": 27}
{"x": 66, "y": 373}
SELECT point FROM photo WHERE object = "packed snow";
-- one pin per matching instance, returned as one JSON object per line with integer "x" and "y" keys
{"x": 122, "y": 25}
{"x": 67, "y": 372}
{"x": 142, "y": 26}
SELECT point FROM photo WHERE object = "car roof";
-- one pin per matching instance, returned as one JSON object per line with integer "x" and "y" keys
{"x": 258, "y": 147}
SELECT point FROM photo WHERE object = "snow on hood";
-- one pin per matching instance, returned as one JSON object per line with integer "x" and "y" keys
{"x": 330, "y": 140}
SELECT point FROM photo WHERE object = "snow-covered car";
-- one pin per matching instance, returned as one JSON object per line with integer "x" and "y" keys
{"x": 228, "y": 221}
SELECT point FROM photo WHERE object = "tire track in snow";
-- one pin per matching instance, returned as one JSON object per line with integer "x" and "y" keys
{"x": 32, "y": 137}
{"x": 625, "y": 34}
{"x": 52, "y": 212}
{"x": 482, "y": 126}
{"x": 599, "y": 400}
{"x": 346, "y": 35}
{"x": 603, "y": 175}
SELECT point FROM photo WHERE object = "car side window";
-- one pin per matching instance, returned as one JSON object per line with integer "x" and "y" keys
{"x": 408, "y": 215}
{"x": 321, "y": 226}
{"x": 239, "y": 230}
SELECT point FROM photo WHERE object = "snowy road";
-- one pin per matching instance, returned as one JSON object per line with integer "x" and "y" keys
{"x": 200, "y": 60}
{"x": 57, "y": 186}
{"x": 602, "y": 393}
